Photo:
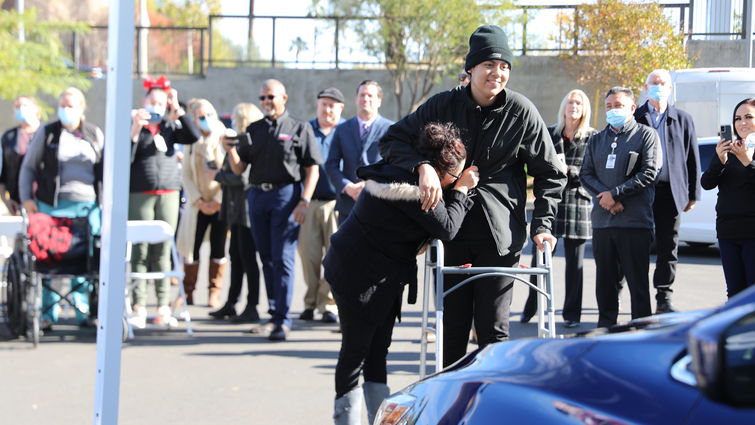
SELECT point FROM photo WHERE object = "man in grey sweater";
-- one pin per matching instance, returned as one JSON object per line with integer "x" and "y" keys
{"x": 619, "y": 170}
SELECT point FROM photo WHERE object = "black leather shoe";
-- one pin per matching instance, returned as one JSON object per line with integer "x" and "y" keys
{"x": 280, "y": 333}
{"x": 308, "y": 315}
{"x": 329, "y": 317}
{"x": 226, "y": 311}
{"x": 664, "y": 306}
{"x": 249, "y": 315}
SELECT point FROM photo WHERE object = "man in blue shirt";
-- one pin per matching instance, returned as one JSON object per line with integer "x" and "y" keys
{"x": 321, "y": 219}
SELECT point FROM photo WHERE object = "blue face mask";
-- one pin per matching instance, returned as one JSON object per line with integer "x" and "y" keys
{"x": 26, "y": 114}
{"x": 68, "y": 116}
{"x": 658, "y": 93}
{"x": 204, "y": 124}
{"x": 618, "y": 117}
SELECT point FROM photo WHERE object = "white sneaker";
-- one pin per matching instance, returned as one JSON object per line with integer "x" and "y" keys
{"x": 138, "y": 318}
{"x": 165, "y": 317}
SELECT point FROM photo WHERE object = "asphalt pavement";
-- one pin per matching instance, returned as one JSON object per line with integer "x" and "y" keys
{"x": 225, "y": 375}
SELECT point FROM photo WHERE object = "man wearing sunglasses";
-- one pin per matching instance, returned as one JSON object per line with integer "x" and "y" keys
{"x": 282, "y": 148}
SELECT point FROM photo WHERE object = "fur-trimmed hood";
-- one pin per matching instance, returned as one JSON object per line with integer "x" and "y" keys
{"x": 392, "y": 191}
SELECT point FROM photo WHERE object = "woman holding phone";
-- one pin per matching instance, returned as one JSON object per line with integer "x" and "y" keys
{"x": 732, "y": 170}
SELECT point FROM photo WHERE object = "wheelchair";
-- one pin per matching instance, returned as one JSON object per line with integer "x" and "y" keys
{"x": 25, "y": 277}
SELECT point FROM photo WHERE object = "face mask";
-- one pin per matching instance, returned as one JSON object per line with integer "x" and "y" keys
{"x": 68, "y": 116}
{"x": 204, "y": 124}
{"x": 617, "y": 117}
{"x": 658, "y": 93}
{"x": 750, "y": 141}
{"x": 26, "y": 114}
{"x": 156, "y": 114}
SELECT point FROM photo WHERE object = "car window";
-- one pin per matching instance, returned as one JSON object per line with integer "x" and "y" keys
{"x": 706, "y": 154}
{"x": 739, "y": 355}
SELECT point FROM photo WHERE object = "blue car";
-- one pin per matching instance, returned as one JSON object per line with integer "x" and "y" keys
{"x": 679, "y": 368}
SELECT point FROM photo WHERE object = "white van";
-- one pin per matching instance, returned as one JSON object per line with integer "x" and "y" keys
{"x": 709, "y": 95}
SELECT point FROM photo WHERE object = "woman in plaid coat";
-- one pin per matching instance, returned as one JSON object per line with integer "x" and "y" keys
{"x": 570, "y": 136}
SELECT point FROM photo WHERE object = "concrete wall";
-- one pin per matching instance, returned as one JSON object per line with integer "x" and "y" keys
{"x": 543, "y": 79}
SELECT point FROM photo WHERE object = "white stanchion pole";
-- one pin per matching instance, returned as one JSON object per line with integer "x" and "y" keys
{"x": 115, "y": 210}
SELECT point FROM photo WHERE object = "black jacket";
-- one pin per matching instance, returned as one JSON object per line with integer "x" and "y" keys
{"x": 502, "y": 141}
{"x": 373, "y": 253}
{"x": 681, "y": 154}
{"x": 155, "y": 170}
{"x": 233, "y": 208}
{"x": 11, "y": 163}
{"x": 735, "y": 208}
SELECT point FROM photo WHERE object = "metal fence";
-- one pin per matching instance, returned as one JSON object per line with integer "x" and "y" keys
{"x": 327, "y": 42}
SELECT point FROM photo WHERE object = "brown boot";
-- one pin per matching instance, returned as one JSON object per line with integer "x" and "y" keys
{"x": 216, "y": 282}
{"x": 190, "y": 281}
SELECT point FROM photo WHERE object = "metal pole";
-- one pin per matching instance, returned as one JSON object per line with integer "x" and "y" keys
{"x": 115, "y": 212}
{"x": 747, "y": 28}
{"x": 338, "y": 23}
{"x": 273, "y": 50}
{"x": 691, "y": 13}
{"x": 439, "y": 298}
{"x": 21, "y": 30}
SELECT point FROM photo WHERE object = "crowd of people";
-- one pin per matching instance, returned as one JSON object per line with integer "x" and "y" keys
{"x": 359, "y": 198}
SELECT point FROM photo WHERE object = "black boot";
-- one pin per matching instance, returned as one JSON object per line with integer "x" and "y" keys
{"x": 228, "y": 310}
{"x": 249, "y": 315}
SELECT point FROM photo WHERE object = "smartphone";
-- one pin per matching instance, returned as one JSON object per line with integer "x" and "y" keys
{"x": 155, "y": 117}
{"x": 725, "y": 132}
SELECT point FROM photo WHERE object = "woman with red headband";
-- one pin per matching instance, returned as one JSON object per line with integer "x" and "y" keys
{"x": 156, "y": 185}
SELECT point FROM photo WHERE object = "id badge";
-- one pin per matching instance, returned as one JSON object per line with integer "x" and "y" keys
{"x": 611, "y": 161}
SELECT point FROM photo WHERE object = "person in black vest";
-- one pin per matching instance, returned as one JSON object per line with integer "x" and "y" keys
{"x": 15, "y": 143}
{"x": 64, "y": 161}
{"x": 373, "y": 254}
{"x": 678, "y": 186}
{"x": 154, "y": 190}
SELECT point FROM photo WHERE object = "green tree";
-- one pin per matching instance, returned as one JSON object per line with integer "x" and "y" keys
{"x": 621, "y": 42}
{"x": 419, "y": 40}
{"x": 298, "y": 45}
{"x": 196, "y": 13}
{"x": 40, "y": 65}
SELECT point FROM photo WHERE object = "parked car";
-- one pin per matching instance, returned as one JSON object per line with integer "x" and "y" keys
{"x": 709, "y": 95}
{"x": 698, "y": 227}
{"x": 680, "y": 368}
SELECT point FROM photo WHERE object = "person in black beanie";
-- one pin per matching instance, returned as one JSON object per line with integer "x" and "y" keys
{"x": 504, "y": 135}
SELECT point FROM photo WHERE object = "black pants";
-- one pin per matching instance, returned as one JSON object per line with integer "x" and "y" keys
{"x": 618, "y": 250}
{"x": 574, "y": 253}
{"x": 667, "y": 220}
{"x": 243, "y": 254}
{"x": 364, "y": 345}
{"x": 218, "y": 233}
{"x": 487, "y": 301}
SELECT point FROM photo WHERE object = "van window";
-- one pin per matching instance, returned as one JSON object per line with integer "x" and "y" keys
{"x": 704, "y": 114}
{"x": 706, "y": 155}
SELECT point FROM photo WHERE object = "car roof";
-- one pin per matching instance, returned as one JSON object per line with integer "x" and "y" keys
{"x": 713, "y": 74}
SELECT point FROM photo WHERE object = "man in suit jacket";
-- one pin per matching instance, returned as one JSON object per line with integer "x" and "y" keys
{"x": 355, "y": 145}
{"x": 678, "y": 184}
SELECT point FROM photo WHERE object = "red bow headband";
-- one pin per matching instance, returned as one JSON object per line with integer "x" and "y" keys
{"x": 160, "y": 83}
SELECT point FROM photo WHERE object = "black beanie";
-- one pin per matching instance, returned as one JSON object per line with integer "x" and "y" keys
{"x": 488, "y": 42}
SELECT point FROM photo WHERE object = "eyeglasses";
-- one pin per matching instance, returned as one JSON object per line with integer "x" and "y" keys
{"x": 453, "y": 175}
{"x": 204, "y": 117}
{"x": 268, "y": 97}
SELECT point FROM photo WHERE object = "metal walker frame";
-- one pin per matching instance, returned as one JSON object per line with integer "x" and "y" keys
{"x": 434, "y": 267}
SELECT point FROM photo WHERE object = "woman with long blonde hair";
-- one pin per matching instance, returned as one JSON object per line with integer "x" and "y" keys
{"x": 570, "y": 136}
{"x": 204, "y": 196}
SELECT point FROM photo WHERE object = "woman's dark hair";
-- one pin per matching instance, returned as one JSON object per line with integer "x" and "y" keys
{"x": 441, "y": 144}
{"x": 749, "y": 101}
